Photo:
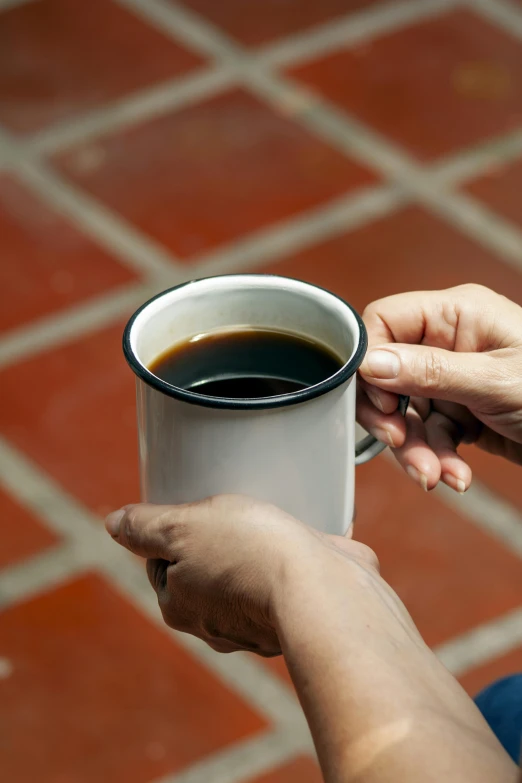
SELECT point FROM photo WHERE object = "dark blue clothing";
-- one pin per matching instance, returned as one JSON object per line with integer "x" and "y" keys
{"x": 501, "y": 705}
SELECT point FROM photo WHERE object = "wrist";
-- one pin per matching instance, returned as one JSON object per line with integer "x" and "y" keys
{"x": 319, "y": 595}
{"x": 303, "y": 586}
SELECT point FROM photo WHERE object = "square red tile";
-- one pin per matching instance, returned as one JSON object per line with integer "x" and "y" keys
{"x": 301, "y": 770}
{"x": 407, "y": 251}
{"x": 60, "y": 59}
{"x": 499, "y": 475}
{"x": 200, "y": 177}
{"x": 22, "y": 534}
{"x": 47, "y": 264}
{"x": 480, "y": 677}
{"x": 98, "y": 693}
{"x": 500, "y": 190}
{"x": 80, "y": 423}
{"x": 450, "y": 575}
{"x": 432, "y": 87}
{"x": 264, "y": 20}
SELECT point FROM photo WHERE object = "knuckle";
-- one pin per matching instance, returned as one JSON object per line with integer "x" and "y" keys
{"x": 370, "y": 558}
{"x": 212, "y": 632}
{"x": 131, "y": 528}
{"x": 432, "y": 371}
{"x": 373, "y": 560}
{"x": 475, "y": 289}
{"x": 168, "y": 527}
{"x": 371, "y": 309}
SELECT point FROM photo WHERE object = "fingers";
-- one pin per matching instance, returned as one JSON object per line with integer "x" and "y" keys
{"x": 146, "y": 530}
{"x": 416, "y": 456}
{"x": 439, "y": 343}
{"x": 465, "y": 378}
{"x": 443, "y": 435}
{"x": 388, "y": 428}
{"x": 157, "y": 573}
{"x": 384, "y": 401}
{"x": 436, "y": 318}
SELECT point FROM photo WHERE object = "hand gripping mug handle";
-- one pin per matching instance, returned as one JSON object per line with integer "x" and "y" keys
{"x": 369, "y": 447}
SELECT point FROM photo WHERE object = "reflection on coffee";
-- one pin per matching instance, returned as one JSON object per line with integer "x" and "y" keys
{"x": 246, "y": 363}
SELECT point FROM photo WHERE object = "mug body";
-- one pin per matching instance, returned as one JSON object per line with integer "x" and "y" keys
{"x": 296, "y": 450}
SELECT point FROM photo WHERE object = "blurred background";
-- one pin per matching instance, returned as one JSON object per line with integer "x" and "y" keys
{"x": 370, "y": 147}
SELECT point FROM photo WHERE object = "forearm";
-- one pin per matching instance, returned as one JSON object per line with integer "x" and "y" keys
{"x": 381, "y": 708}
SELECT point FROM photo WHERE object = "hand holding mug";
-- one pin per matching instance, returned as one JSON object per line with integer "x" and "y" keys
{"x": 219, "y": 566}
{"x": 458, "y": 353}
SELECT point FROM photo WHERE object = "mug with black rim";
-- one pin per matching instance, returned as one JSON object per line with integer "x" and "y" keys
{"x": 296, "y": 450}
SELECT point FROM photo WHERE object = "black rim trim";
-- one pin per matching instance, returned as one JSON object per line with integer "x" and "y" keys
{"x": 261, "y": 403}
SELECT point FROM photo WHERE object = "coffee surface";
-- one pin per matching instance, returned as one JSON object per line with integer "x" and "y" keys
{"x": 246, "y": 363}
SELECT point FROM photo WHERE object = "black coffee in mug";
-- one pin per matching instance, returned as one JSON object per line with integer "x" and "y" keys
{"x": 246, "y": 363}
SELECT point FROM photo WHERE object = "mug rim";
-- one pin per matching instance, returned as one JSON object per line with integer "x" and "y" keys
{"x": 348, "y": 369}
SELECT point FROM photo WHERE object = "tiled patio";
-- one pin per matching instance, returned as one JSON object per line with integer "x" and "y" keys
{"x": 370, "y": 147}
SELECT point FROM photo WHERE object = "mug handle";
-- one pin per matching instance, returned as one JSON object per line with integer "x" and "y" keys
{"x": 369, "y": 447}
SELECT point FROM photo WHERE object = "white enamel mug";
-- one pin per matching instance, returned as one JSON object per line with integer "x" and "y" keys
{"x": 297, "y": 450}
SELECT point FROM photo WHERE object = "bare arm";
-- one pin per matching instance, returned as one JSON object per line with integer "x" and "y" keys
{"x": 243, "y": 575}
{"x": 381, "y": 707}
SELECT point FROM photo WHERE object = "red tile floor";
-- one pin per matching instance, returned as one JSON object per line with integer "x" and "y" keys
{"x": 367, "y": 146}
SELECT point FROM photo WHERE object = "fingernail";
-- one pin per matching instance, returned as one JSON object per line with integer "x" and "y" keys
{"x": 383, "y": 435}
{"x": 418, "y": 477}
{"x": 113, "y": 522}
{"x": 454, "y": 483}
{"x": 375, "y": 400}
{"x": 383, "y": 364}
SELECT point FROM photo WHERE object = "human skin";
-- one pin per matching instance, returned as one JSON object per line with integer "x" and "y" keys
{"x": 458, "y": 353}
{"x": 243, "y": 575}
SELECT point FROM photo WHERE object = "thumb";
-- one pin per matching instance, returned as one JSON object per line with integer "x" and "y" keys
{"x": 422, "y": 371}
{"x": 145, "y": 529}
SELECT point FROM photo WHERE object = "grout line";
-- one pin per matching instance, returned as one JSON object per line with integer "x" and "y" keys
{"x": 107, "y": 229}
{"x": 186, "y": 27}
{"x": 345, "y": 133}
{"x": 304, "y": 231}
{"x": 475, "y": 220}
{"x": 482, "y": 644}
{"x": 486, "y": 510}
{"x": 134, "y": 249}
{"x": 87, "y": 541}
{"x": 40, "y": 573}
{"x": 240, "y": 672}
{"x": 273, "y": 243}
{"x": 64, "y": 326}
{"x": 371, "y": 149}
{"x": 243, "y": 761}
{"x": 494, "y": 516}
{"x": 141, "y": 106}
{"x": 62, "y": 513}
{"x": 351, "y": 29}
{"x": 6, "y": 5}
{"x": 478, "y": 161}
{"x": 502, "y": 14}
